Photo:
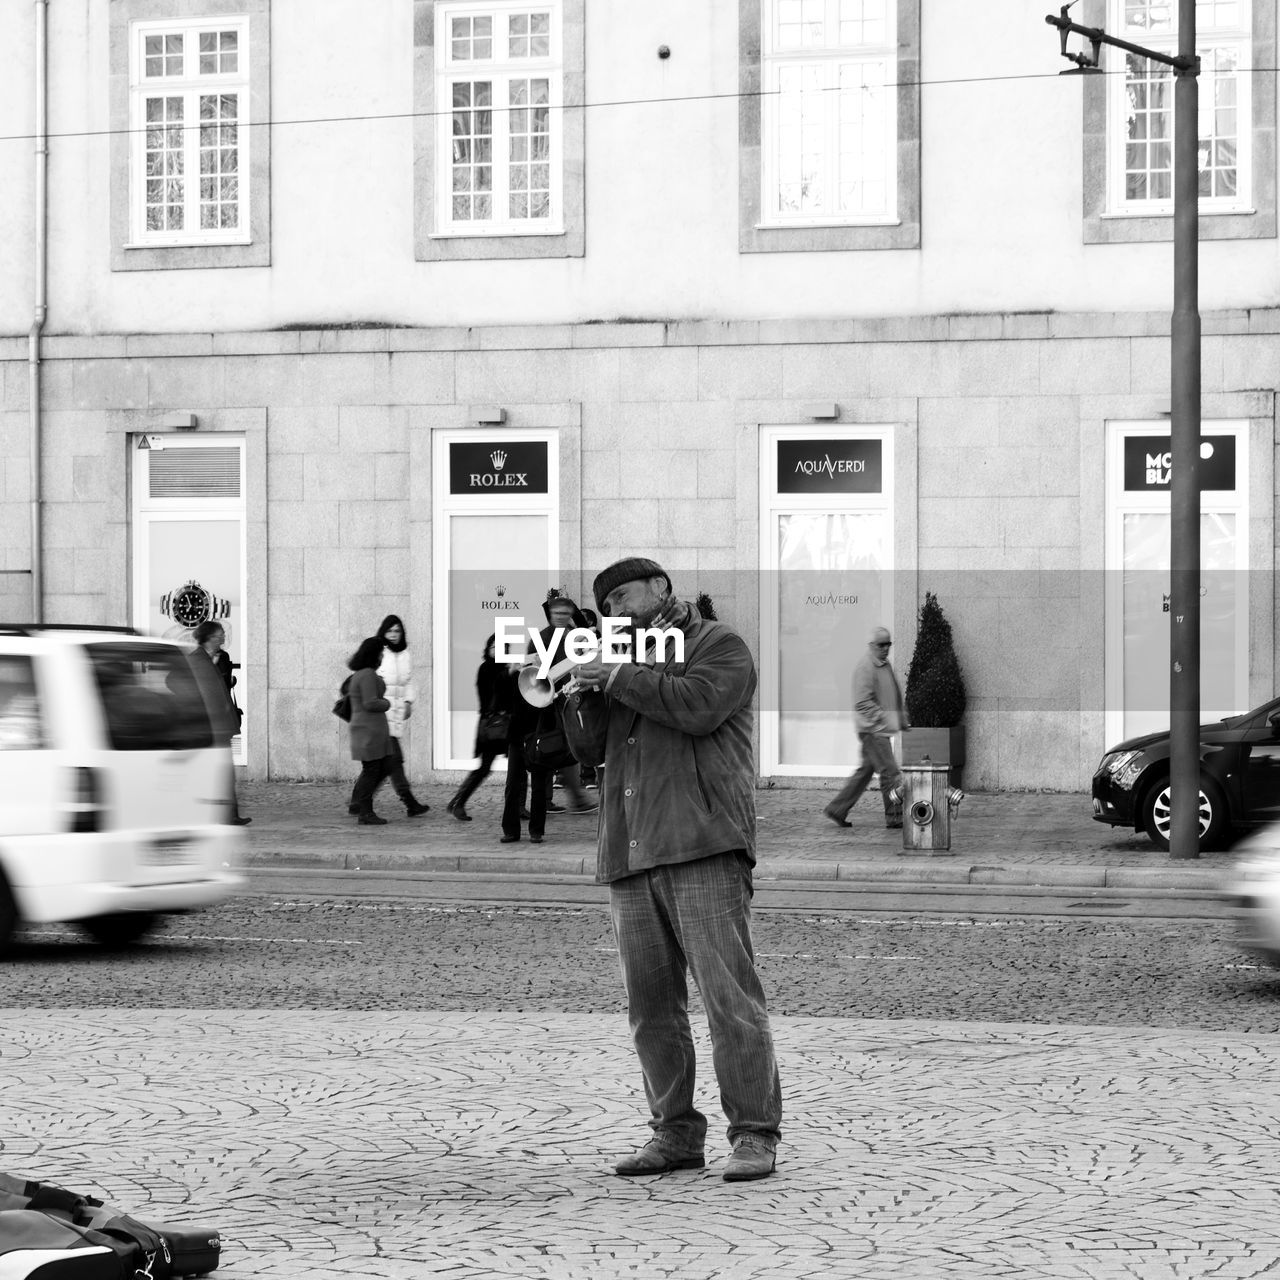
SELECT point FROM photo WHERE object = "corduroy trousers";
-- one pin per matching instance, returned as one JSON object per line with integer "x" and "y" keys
{"x": 695, "y": 917}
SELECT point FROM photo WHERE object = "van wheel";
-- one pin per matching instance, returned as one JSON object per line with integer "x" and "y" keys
{"x": 8, "y": 915}
{"x": 120, "y": 929}
{"x": 1213, "y": 814}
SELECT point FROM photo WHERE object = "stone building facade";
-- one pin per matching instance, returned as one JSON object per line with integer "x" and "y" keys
{"x": 814, "y": 423}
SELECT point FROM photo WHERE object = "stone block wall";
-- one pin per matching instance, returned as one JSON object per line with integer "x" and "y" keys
{"x": 998, "y": 437}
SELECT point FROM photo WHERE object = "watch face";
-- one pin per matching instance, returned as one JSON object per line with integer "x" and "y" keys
{"x": 191, "y": 605}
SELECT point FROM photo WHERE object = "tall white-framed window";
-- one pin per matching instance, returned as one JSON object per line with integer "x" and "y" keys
{"x": 829, "y": 126}
{"x": 1140, "y": 107}
{"x": 188, "y": 106}
{"x": 499, "y": 98}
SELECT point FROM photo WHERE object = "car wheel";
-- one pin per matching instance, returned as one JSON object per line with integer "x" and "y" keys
{"x": 1213, "y": 814}
{"x": 120, "y": 929}
{"x": 8, "y": 915}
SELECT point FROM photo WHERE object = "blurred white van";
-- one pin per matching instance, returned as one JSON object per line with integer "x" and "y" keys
{"x": 114, "y": 799}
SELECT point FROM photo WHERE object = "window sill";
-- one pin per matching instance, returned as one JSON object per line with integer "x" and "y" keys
{"x": 1130, "y": 214}
{"x": 813, "y": 226}
{"x": 494, "y": 233}
{"x": 186, "y": 244}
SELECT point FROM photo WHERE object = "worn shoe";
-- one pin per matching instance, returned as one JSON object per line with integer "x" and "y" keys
{"x": 585, "y": 808}
{"x": 657, "y": 1157}
{"x": 241, "y": 822}
{"x": 353, "y": 809}
{"x": 554, "y": 808}
{"x": 414, "y": 808}
{"x": 460, "y": 813}
{"x": 371, "y": 820}
{"x": 508, "y": 839}
{"x": 840, "y": 822}
{"x": 535, "y": 839}
{"x": 751, "y": 1159}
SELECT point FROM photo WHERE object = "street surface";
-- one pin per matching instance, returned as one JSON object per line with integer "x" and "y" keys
{"x": 393, "y": 1087}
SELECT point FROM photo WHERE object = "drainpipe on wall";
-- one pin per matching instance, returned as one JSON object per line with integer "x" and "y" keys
{"x": 41, "y": 307}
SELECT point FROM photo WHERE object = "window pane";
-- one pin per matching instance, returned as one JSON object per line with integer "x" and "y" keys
{"x": 801, "y": 24}
{"x": 150, "y": 698}
{"x": 801, "y": 140}
{"x": 472, "y": 134}
{"x": 862, "y": 22}
{"x": 863, "y": 158}
{"x": 21, "y": 728}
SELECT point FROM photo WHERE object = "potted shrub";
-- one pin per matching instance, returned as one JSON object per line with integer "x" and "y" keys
{"x": 935, "y": 695}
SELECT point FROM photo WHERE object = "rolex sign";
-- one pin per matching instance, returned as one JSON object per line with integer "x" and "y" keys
{"x": 498, "y": 466}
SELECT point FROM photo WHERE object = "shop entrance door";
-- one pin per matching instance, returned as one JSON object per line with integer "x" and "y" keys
{"x": 1137, "y": 597}
{"x": 827, "y": 560}
{"x": 189, "y": 544}
{"x": 495, "y": 553}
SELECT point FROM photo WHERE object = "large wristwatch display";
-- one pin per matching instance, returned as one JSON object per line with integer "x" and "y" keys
{"x": 191, "y": 604}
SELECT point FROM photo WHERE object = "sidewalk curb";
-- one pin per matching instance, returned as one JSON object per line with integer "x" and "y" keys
{"x": 839, "y": 874}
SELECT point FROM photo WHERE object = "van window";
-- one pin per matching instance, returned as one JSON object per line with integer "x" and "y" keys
{"x": 21, "y": 724}
{"x": 150, "y": 698}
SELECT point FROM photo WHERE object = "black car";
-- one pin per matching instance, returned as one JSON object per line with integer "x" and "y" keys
{"x": 1239, "y": 779}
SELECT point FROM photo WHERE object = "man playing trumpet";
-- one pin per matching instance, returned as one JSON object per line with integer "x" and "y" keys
{"x": 676, "y": 848}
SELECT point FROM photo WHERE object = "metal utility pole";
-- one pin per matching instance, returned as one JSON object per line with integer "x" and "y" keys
{"x": 1184, "y": 496}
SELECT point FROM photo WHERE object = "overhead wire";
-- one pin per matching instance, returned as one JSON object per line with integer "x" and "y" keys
{"x": 604, "y": 104}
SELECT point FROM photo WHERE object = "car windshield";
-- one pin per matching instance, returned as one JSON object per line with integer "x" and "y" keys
{"x": 150, "y": 698}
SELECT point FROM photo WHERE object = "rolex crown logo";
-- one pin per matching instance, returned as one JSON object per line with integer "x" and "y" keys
{"x": 499, "y": 458}
{"x": 500, "y": 591}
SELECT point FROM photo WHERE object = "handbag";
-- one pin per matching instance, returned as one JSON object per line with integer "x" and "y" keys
{"x": 342, "y": 708}
{"x": 548, "y": 749}
{"x": 494, "y": 729}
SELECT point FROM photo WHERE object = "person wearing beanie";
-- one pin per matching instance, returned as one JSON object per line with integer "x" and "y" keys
{"x": 677, "y": 848}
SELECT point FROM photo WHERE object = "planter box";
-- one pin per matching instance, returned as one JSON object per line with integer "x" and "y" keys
{"x": 941, "y": 746}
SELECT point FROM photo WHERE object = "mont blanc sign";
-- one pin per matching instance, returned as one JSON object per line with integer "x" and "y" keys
{"x": 829, "y": 466}
{"x": 498, "y": 466}
{"x": 1148, "y": 463}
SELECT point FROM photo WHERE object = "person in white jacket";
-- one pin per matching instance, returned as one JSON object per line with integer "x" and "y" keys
{"x": 397, "y": 671}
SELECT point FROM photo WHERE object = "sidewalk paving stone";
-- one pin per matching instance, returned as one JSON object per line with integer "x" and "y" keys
{"x": 480, "y": 1145}
{"x": 1005, "y": 838}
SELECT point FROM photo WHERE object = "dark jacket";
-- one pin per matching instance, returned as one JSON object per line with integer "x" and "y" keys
{"x": 370, "y": 736}
{"x": 675, "y": 740}
{"x": 216, "y": 695}
{"x": 495, "y": 691}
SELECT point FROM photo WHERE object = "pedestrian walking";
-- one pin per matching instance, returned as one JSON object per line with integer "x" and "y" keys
{"x": 211, "y": 665}
{"x": 525, "y": 780}
{"x": 396, "y": 670}
{"x": 496, "y": 694}
{"x": 370, "y": 732}
{"x": 879, "y": 713}
{"x": 677, "y": 848}
{"x": 563, "y": 612}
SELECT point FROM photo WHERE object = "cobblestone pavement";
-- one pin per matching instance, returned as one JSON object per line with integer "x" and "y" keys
{"x": 468, "y": 1145}
{"x": 996, "y": 838}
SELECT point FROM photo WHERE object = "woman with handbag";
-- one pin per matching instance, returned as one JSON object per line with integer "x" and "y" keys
{"x": 370, "y": 734}
{"x": 496, "y": 693}
{"x": 396, "y": 670}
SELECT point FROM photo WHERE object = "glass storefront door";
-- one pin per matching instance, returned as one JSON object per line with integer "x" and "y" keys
{"x": 827, "y": 580}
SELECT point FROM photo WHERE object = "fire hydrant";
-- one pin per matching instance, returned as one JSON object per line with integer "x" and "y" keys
{"x": 928, "y": 803}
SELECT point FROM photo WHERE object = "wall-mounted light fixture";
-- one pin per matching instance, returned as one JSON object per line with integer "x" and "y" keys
{"x": 489, "y": 415}
{"x": 821, "y": 411}
{"x": 180, "y": 422}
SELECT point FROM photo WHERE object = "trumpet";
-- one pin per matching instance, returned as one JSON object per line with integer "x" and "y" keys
{"x": 540, "y": 692}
